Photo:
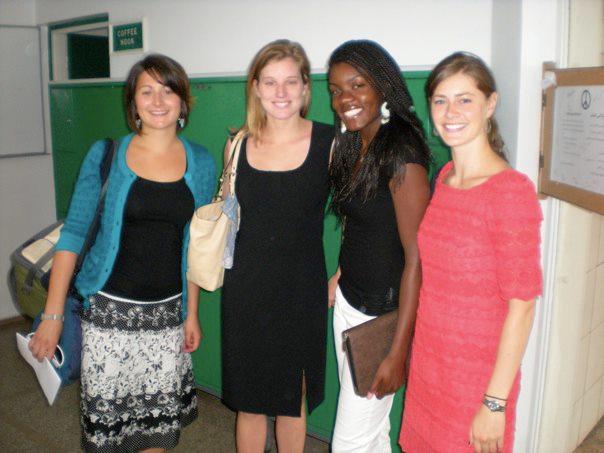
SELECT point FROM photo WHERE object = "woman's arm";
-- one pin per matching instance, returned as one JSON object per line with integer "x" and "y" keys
{"x": 81, "y": 212}
{"x": 487, "y": 430}
{"x": 410, "y": 198}
{"x": 193, "y": 331}
{"x": 332, "y": 284}
{"x": 46, "y": 337}
{"x": 84, "y": 201}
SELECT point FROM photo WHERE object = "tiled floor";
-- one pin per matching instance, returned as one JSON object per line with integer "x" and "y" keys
{"x": 28, "y": 424}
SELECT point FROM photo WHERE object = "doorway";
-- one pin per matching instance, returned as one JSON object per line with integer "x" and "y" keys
{"x": 79, "y": 49}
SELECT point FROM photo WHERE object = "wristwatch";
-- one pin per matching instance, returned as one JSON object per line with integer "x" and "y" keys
{"x": 493, "y": 405}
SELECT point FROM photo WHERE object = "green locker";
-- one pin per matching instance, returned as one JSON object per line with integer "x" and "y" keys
{"x": 84, "y": 112}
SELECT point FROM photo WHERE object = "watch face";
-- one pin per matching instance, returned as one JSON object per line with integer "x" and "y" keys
{"x": 493, "y": 406}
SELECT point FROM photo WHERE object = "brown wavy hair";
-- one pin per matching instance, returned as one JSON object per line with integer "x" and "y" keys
{"x": 472, "y": 66}
{"x": 166, "y": 71}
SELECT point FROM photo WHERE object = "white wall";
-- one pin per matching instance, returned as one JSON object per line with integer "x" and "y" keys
{"x": 575, "y": 357}
{"x": 18, "y": 12}
{"x": 27, "y": 202}
{"x": 222, "y": 36}
{"x": 586, "y": 47}
{"x": 506, "y": 48}
{"x": 518, "y": 52}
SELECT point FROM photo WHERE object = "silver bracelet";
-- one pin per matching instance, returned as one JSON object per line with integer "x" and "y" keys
{"x": 52, "y": 317}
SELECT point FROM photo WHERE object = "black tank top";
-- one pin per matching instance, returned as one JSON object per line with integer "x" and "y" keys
{"x": 372, "y": 257}
{"x": 148, "y": 263}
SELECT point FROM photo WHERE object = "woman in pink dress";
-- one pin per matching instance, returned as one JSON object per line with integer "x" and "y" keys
{"x": 479, "y": 247}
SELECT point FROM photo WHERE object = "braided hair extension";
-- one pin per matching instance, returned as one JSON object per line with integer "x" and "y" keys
{"x": 399, "y": 141}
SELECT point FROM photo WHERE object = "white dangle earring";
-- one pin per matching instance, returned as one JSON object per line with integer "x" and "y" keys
{"x": 342, "y": 127}
{"x": 385, "y": 113}
{"x": 138, "y": 123}
{"x": 181, "y": 123}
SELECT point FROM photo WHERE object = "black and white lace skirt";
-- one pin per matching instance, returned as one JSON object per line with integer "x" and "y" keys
{"x": 137, "y": 388}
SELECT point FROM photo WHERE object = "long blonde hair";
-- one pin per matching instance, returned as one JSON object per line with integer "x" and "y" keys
{"x": 278, "y": 50}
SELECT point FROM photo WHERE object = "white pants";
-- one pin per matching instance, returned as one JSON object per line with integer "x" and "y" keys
{"x": 362, "y": 425}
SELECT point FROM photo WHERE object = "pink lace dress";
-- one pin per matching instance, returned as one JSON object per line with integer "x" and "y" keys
{"x": 479, "y": 248}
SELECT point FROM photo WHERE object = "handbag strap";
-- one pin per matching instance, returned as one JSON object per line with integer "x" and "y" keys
{"x": 111, "y": 147}
{"x": 236, "y": 145}
{"x": 35, "y": 269}
{"x": 231, "y": 165}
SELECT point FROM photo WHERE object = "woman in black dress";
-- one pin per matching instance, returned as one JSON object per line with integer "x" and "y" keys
{"x": 274, "y": 310}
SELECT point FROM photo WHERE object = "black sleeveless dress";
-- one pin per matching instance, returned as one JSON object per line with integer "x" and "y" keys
{"x": 274, "y": 299}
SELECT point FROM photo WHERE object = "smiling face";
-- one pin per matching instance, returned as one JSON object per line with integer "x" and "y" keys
{"x": 157, "y": 105}
{"x": 354, "y": 99}
{"x": 460, "y": 111}
{"x": 280, "y": 89}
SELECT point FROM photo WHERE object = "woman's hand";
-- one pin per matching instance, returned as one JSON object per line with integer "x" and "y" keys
{"x": 192, "y": 328}
{"x": 390, "y": 376}
{"x": 332, "y": 284}
{"x": 45, "y": 339}
{"x": 486, "y": 432}
{"x": 193, "y": 333}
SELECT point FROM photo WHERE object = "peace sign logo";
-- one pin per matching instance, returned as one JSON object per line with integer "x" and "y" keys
{"x": 585, "y": 99}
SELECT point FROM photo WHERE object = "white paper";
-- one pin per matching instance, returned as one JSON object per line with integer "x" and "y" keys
{"x": 578, "y": 139}
{"x": 47, "y": 375}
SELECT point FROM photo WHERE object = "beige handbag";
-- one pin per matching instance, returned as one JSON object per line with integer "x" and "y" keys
{"x": 208, "y": 232}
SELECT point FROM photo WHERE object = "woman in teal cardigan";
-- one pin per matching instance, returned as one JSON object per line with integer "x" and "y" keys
{"x": 139, "y": 322}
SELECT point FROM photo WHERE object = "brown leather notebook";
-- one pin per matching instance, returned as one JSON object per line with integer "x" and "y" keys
{"x": 366, "y": 345}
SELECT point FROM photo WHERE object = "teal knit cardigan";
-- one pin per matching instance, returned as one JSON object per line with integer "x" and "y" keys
{"x": 98, "y": 264}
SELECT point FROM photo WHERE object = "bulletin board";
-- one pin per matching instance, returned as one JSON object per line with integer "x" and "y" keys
{"x": 572, "y": 136}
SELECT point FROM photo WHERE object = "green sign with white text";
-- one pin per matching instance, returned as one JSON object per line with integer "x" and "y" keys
{"x": 128, "y": 37}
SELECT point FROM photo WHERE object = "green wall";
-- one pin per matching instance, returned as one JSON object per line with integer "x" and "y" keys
{"x": 83, "y": 113}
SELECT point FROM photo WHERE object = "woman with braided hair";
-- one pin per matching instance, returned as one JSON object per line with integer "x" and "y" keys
{"x": 379, "y": 175}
